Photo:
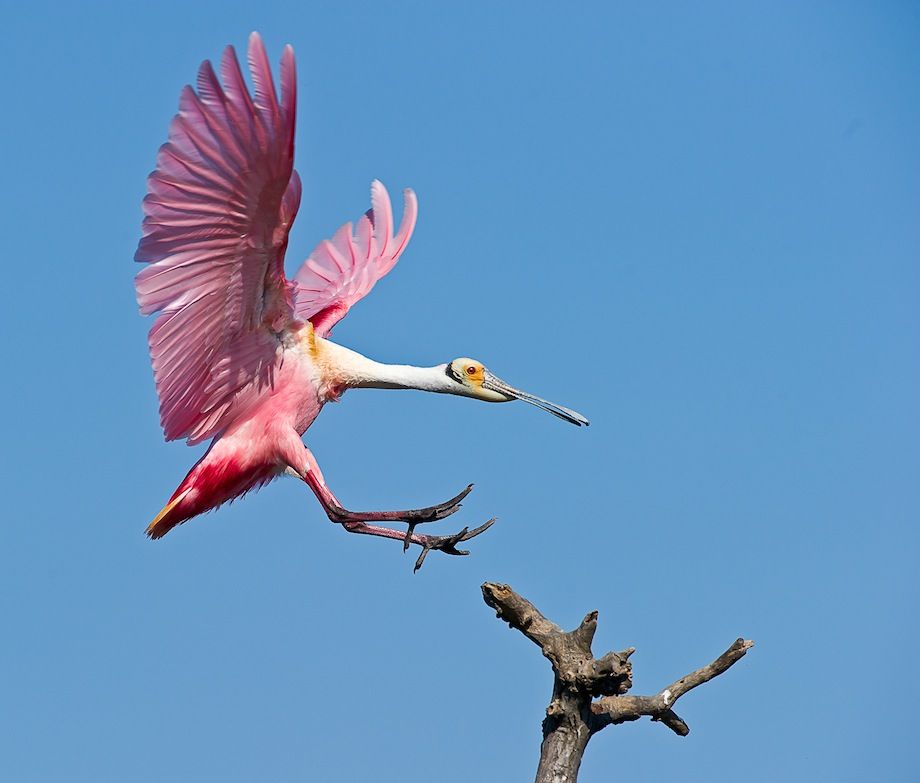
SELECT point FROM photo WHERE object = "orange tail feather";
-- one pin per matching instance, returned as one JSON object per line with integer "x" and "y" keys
{"x": 170, "y": 516}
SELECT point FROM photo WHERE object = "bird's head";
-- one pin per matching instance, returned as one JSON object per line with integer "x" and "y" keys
{"x": 472, "y": 379}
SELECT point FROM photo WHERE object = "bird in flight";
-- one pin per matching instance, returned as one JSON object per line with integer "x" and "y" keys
{"x": 240, "y": 352}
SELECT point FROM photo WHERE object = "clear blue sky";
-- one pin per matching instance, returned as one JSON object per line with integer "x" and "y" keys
{"x": 699, "y": 227}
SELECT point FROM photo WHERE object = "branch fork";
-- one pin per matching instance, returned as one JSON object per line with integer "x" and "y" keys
{"x": 589, "y": 693}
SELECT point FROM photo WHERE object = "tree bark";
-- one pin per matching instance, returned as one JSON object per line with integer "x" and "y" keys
{"x": 588, "y": 692}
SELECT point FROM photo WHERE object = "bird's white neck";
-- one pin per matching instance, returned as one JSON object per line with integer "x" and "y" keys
{"x": 355, "y": 371}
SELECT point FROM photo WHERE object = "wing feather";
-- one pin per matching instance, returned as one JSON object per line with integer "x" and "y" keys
{"x": 217, "y": 213}
{"x": 343, "y": 270}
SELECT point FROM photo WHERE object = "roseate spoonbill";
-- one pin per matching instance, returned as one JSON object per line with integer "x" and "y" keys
{"x": 239, "y": 351}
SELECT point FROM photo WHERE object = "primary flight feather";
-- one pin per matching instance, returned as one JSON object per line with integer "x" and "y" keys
{"x": 239, "y": 351}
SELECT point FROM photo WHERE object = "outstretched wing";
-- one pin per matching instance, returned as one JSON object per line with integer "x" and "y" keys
{"x": 216, "y": 219}
{"x": 342, "y": 270}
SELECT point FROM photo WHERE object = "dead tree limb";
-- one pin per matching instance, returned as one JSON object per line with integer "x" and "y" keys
{"x": 588, "y": 692}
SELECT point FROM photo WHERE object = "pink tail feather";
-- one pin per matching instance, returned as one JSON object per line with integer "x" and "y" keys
{"x": 209, "y": 484}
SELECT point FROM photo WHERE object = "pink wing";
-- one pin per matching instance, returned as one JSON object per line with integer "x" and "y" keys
{"x": 344, "y": 269}
{"x": 216, "y": 219}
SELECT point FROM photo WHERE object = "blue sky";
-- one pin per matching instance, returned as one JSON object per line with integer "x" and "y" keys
{"x": 698, "y": 226}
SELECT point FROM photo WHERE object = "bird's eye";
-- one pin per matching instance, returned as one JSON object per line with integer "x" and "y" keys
{"x": 471, "y": 370}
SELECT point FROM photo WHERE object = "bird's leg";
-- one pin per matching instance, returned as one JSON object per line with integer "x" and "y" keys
{"x": 338, "y": 513}
{"x": 413, "y": 515}
{"x": 313, "y": 476}
{"x": 356, "y": 521}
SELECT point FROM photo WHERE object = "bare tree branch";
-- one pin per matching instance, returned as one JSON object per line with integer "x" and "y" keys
{"x": 519, "y": 613}
{"x": 573, "y": 716}
{"x": 660, "y": 707}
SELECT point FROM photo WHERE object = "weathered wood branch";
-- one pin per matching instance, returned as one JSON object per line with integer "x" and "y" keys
{"x": 659, "y": 707}
{"x": 589, "y": 693}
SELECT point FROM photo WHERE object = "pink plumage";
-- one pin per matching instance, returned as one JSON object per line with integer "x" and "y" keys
{"x": 342, "y": 270}
{"x": 238, "y": 350}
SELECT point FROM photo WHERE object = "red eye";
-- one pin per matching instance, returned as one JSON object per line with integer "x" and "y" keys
{"x": 471, "y": 370}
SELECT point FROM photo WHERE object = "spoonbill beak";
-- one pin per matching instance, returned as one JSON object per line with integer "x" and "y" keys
{"x": 495, "y": 384}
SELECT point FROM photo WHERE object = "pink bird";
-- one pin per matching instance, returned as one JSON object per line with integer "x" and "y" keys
{"x": 240, "y": 352}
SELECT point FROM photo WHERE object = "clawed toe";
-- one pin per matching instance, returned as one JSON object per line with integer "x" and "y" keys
{"x": 432, "y": 514}
{"x": 448, "y": 544}
{"x": 440, "y": 511}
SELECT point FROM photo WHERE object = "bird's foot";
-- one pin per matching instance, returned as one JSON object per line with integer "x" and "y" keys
{"x": 432, "y": 514}
{"x": 413, "y": 517}
{"x": 357, "y": 522}
{"x": 446, "y": 544}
